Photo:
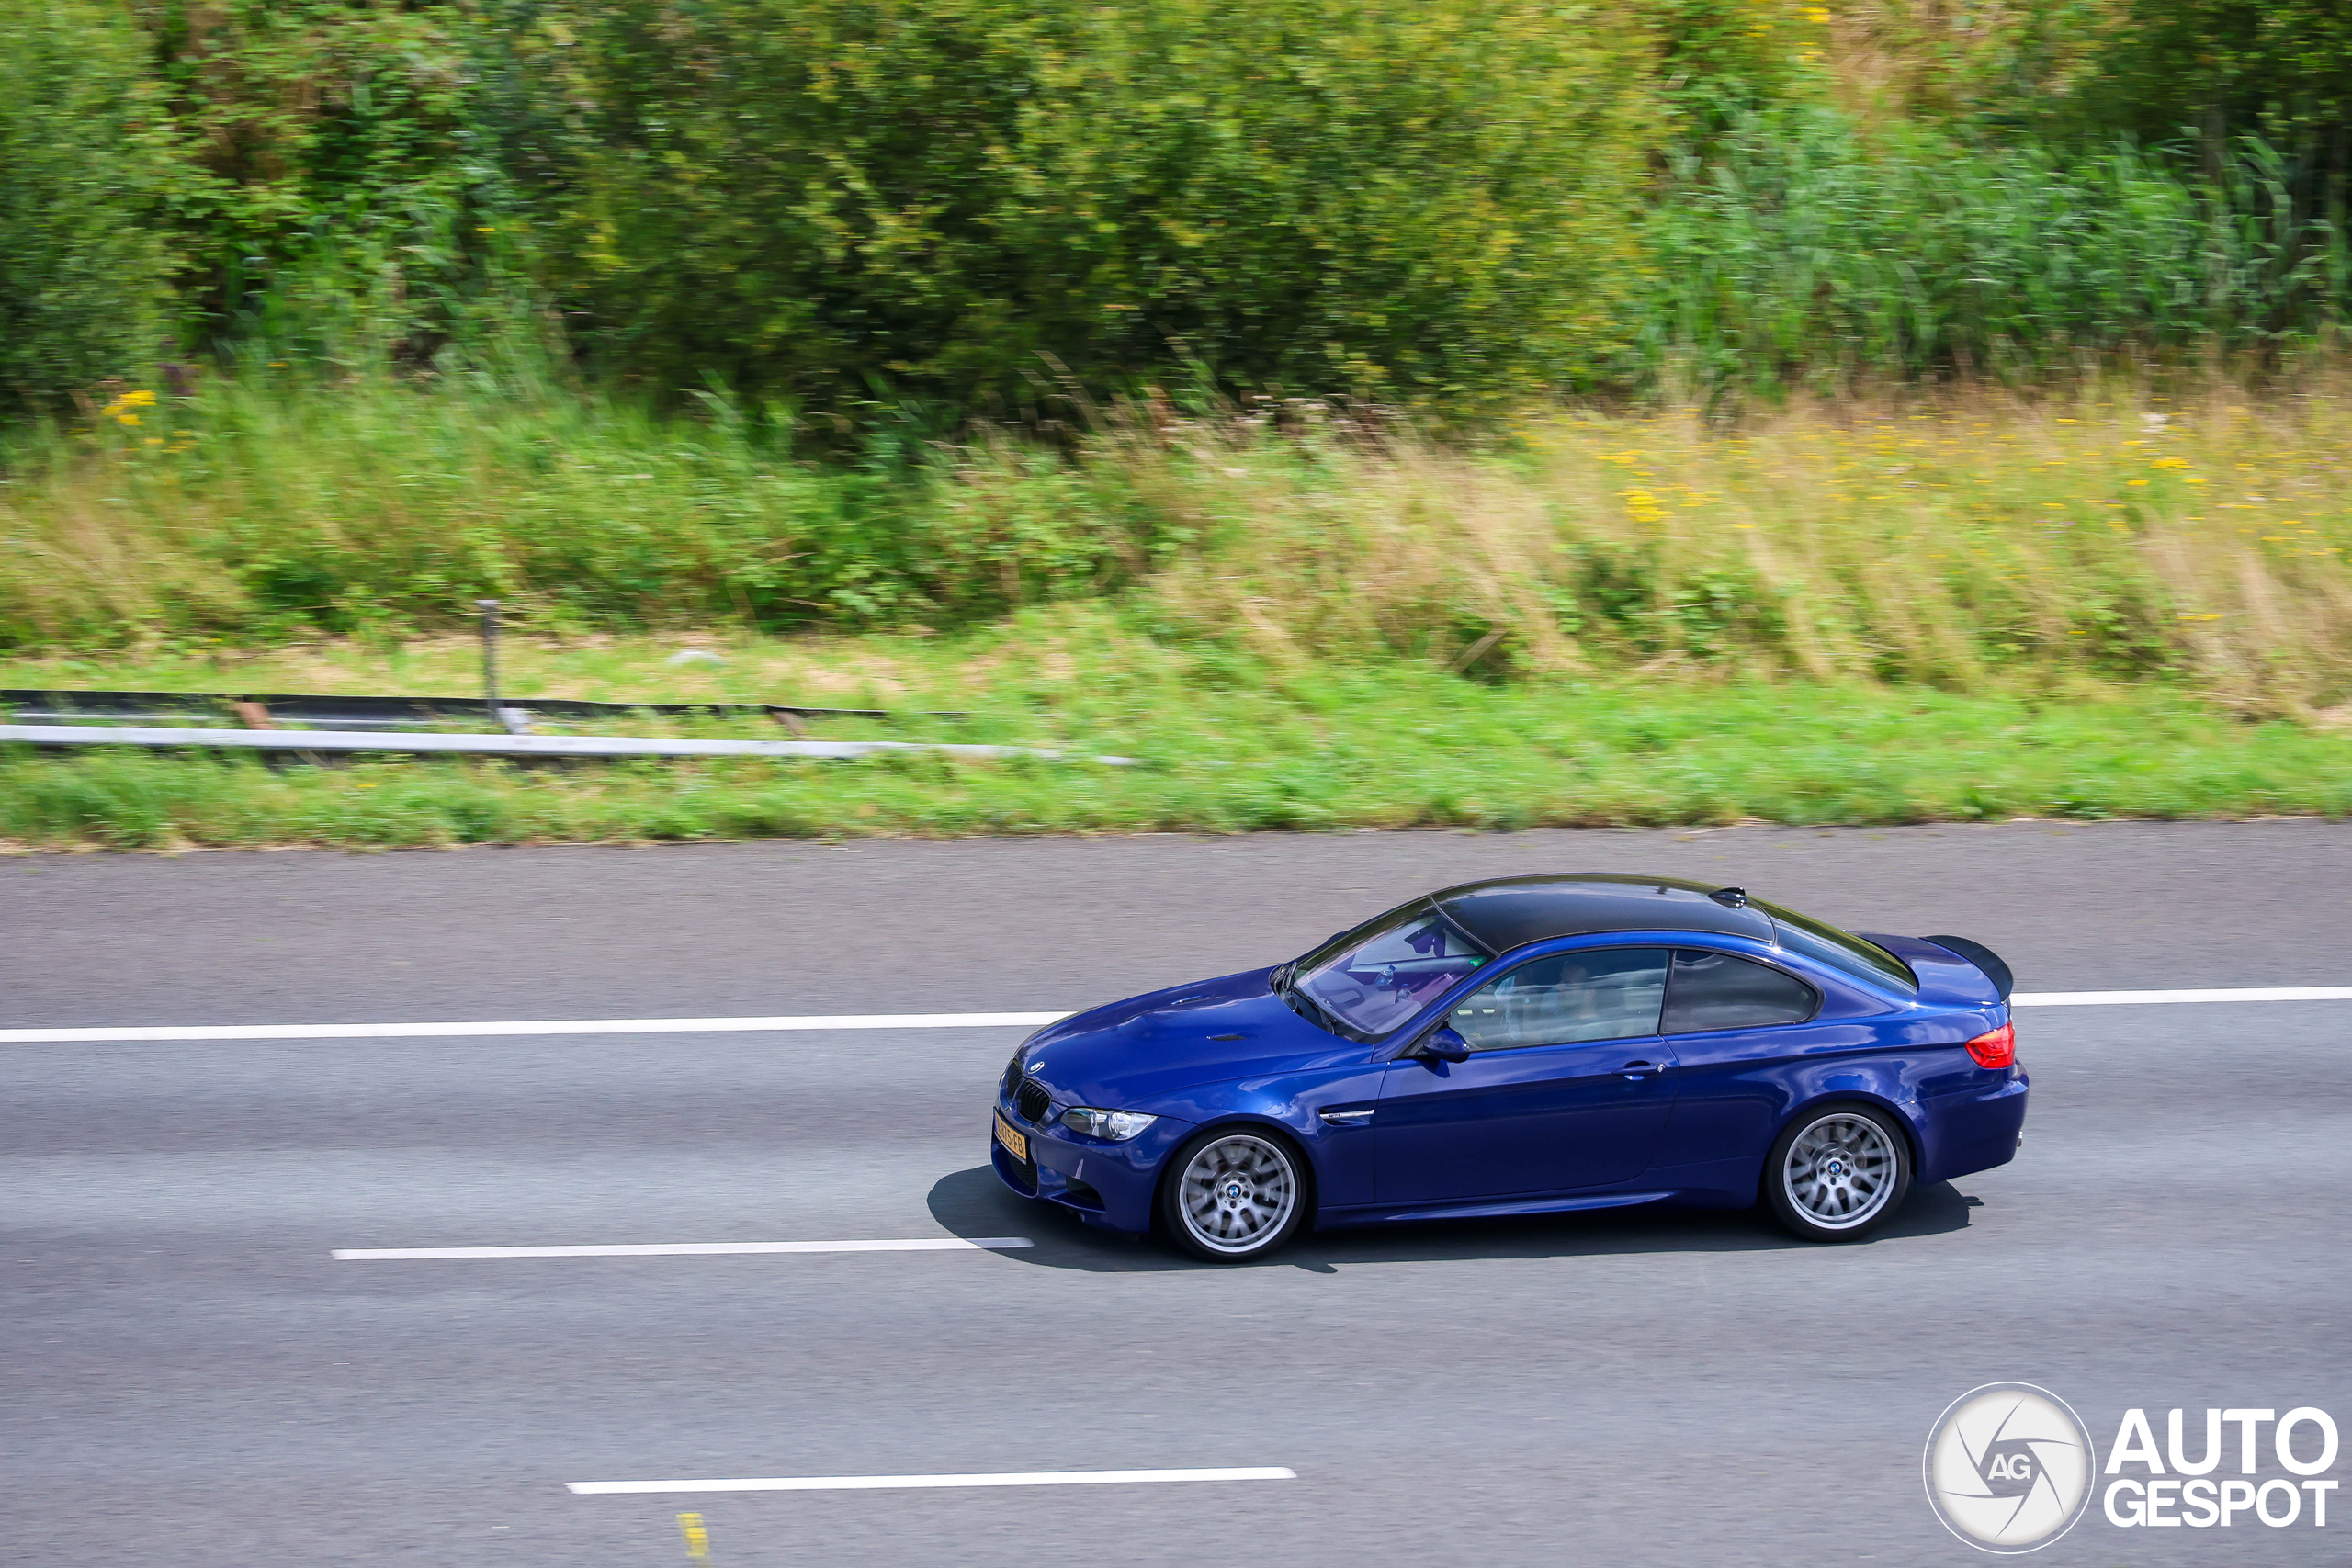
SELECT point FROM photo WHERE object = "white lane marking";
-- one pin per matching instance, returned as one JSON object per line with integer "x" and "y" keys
{"x": 905, "y": 1021}
{"x": 530, "y": 1026}
{"x": 682, "y": 1248}
{"x": 2146, "y": 998}
{"x": 864, "y": 1483}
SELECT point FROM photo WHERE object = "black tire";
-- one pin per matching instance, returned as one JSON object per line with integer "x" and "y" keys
{"x": 1248, "y": 1198}
{"x": 1838, "y": 1172}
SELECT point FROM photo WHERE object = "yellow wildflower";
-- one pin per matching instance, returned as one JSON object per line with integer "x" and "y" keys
{"x": 119, "y": 409}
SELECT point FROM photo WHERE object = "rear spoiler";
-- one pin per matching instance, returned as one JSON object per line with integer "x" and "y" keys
{"x": 1984, "y": 957}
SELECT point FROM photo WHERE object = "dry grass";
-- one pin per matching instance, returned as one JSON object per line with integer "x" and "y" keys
{"x": 2125, "y": 538}
{"x": 2120, "y": 535}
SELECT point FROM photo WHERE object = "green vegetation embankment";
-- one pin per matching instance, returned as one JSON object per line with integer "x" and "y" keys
{"x": 1361, "y": 414}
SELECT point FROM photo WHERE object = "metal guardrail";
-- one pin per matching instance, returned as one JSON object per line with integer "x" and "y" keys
{"x": 369, "y": 712}
{"x": 313, "y": 742}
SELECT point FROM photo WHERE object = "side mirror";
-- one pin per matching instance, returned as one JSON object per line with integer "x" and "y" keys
{"x": 1442, "y": 1044}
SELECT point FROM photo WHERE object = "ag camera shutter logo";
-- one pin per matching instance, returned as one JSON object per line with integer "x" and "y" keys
{"x": 2008, "y": 1468}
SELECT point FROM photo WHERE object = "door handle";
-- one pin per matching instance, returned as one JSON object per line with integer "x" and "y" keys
{"x": 1636, "y": 1071}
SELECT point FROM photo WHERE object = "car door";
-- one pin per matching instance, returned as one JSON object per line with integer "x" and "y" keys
{"x": 1568, "y": 1084}
{"x": 1729, "y": 1018}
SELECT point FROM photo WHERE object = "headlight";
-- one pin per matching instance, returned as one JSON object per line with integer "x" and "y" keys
{"x": 1111, "y": 1126}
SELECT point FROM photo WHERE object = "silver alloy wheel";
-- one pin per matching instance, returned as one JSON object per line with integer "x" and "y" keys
{"x": 1840, "y": 1172}
{"x": 1237, "y": 1194}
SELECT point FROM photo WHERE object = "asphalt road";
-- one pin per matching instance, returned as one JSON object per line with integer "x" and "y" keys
{"x": 186, "y": 1377}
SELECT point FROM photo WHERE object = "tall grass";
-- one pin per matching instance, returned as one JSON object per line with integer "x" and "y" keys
{"x": 2125, "y": 535}
{"x": 1803, "y": 253}
{"x": 2201, "y": 541}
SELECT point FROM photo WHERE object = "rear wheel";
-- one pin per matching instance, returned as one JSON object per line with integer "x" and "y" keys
{"x": 1233, "y": 1196}
{"x": 1837, "y": 1173}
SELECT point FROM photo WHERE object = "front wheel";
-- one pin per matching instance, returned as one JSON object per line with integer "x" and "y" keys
{"x": 1233, "y": 1196}
{"x": 1837, "y": 1173}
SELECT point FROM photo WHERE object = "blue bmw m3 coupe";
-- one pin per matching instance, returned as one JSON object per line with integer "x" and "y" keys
{"x": 1523, "y": 1046}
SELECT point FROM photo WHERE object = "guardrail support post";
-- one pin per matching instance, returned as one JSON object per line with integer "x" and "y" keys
{"x": 489, "y": 608}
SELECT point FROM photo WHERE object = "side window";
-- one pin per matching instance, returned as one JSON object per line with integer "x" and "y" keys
{"x": 1611, "y": 994}
{"x": 1715, "y": 990}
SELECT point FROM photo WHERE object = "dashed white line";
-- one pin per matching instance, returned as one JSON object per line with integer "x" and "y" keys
{"x": 867, "y": 1483}
{"x": 682, "y": 1248}
{"x": 510, "y": 1026}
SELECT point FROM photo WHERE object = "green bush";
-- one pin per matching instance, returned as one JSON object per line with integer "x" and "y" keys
{"x": 859, "y": 218}
{"x": 339, "y": 197}
{"x": 989, "y": 202}
{"x": 2218, "y": 68}
{"x": 83, "y": 158}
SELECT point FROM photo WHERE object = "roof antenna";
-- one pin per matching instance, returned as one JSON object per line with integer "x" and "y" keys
{"x": 1730, "y": 898}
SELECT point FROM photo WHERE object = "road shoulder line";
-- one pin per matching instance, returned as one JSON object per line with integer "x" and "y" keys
{"x": 193, "y": 1034}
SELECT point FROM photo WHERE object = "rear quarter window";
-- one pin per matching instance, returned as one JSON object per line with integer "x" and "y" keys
{"x": 1839, "y": 949}
{"x": 1718, "y": 991}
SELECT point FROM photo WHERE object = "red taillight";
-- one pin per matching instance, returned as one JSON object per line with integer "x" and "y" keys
{"x": 1998, "y": 1049}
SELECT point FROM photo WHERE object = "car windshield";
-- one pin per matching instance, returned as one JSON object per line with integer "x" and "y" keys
{"x": 1839, "y": 949}
{"x": 1380, "y": 975}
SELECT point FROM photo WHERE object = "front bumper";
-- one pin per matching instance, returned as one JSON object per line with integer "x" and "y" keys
{"x": 1109, "y": 1185}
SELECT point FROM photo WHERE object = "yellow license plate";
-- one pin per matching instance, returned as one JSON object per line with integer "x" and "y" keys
{"x": 1015, "y": 1144}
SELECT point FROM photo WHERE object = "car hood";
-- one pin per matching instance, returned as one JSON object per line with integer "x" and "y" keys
{"x": 1126, "y": 1056}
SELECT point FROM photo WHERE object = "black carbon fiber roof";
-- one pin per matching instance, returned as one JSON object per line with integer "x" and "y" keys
{"x": 1513, "y": 911}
